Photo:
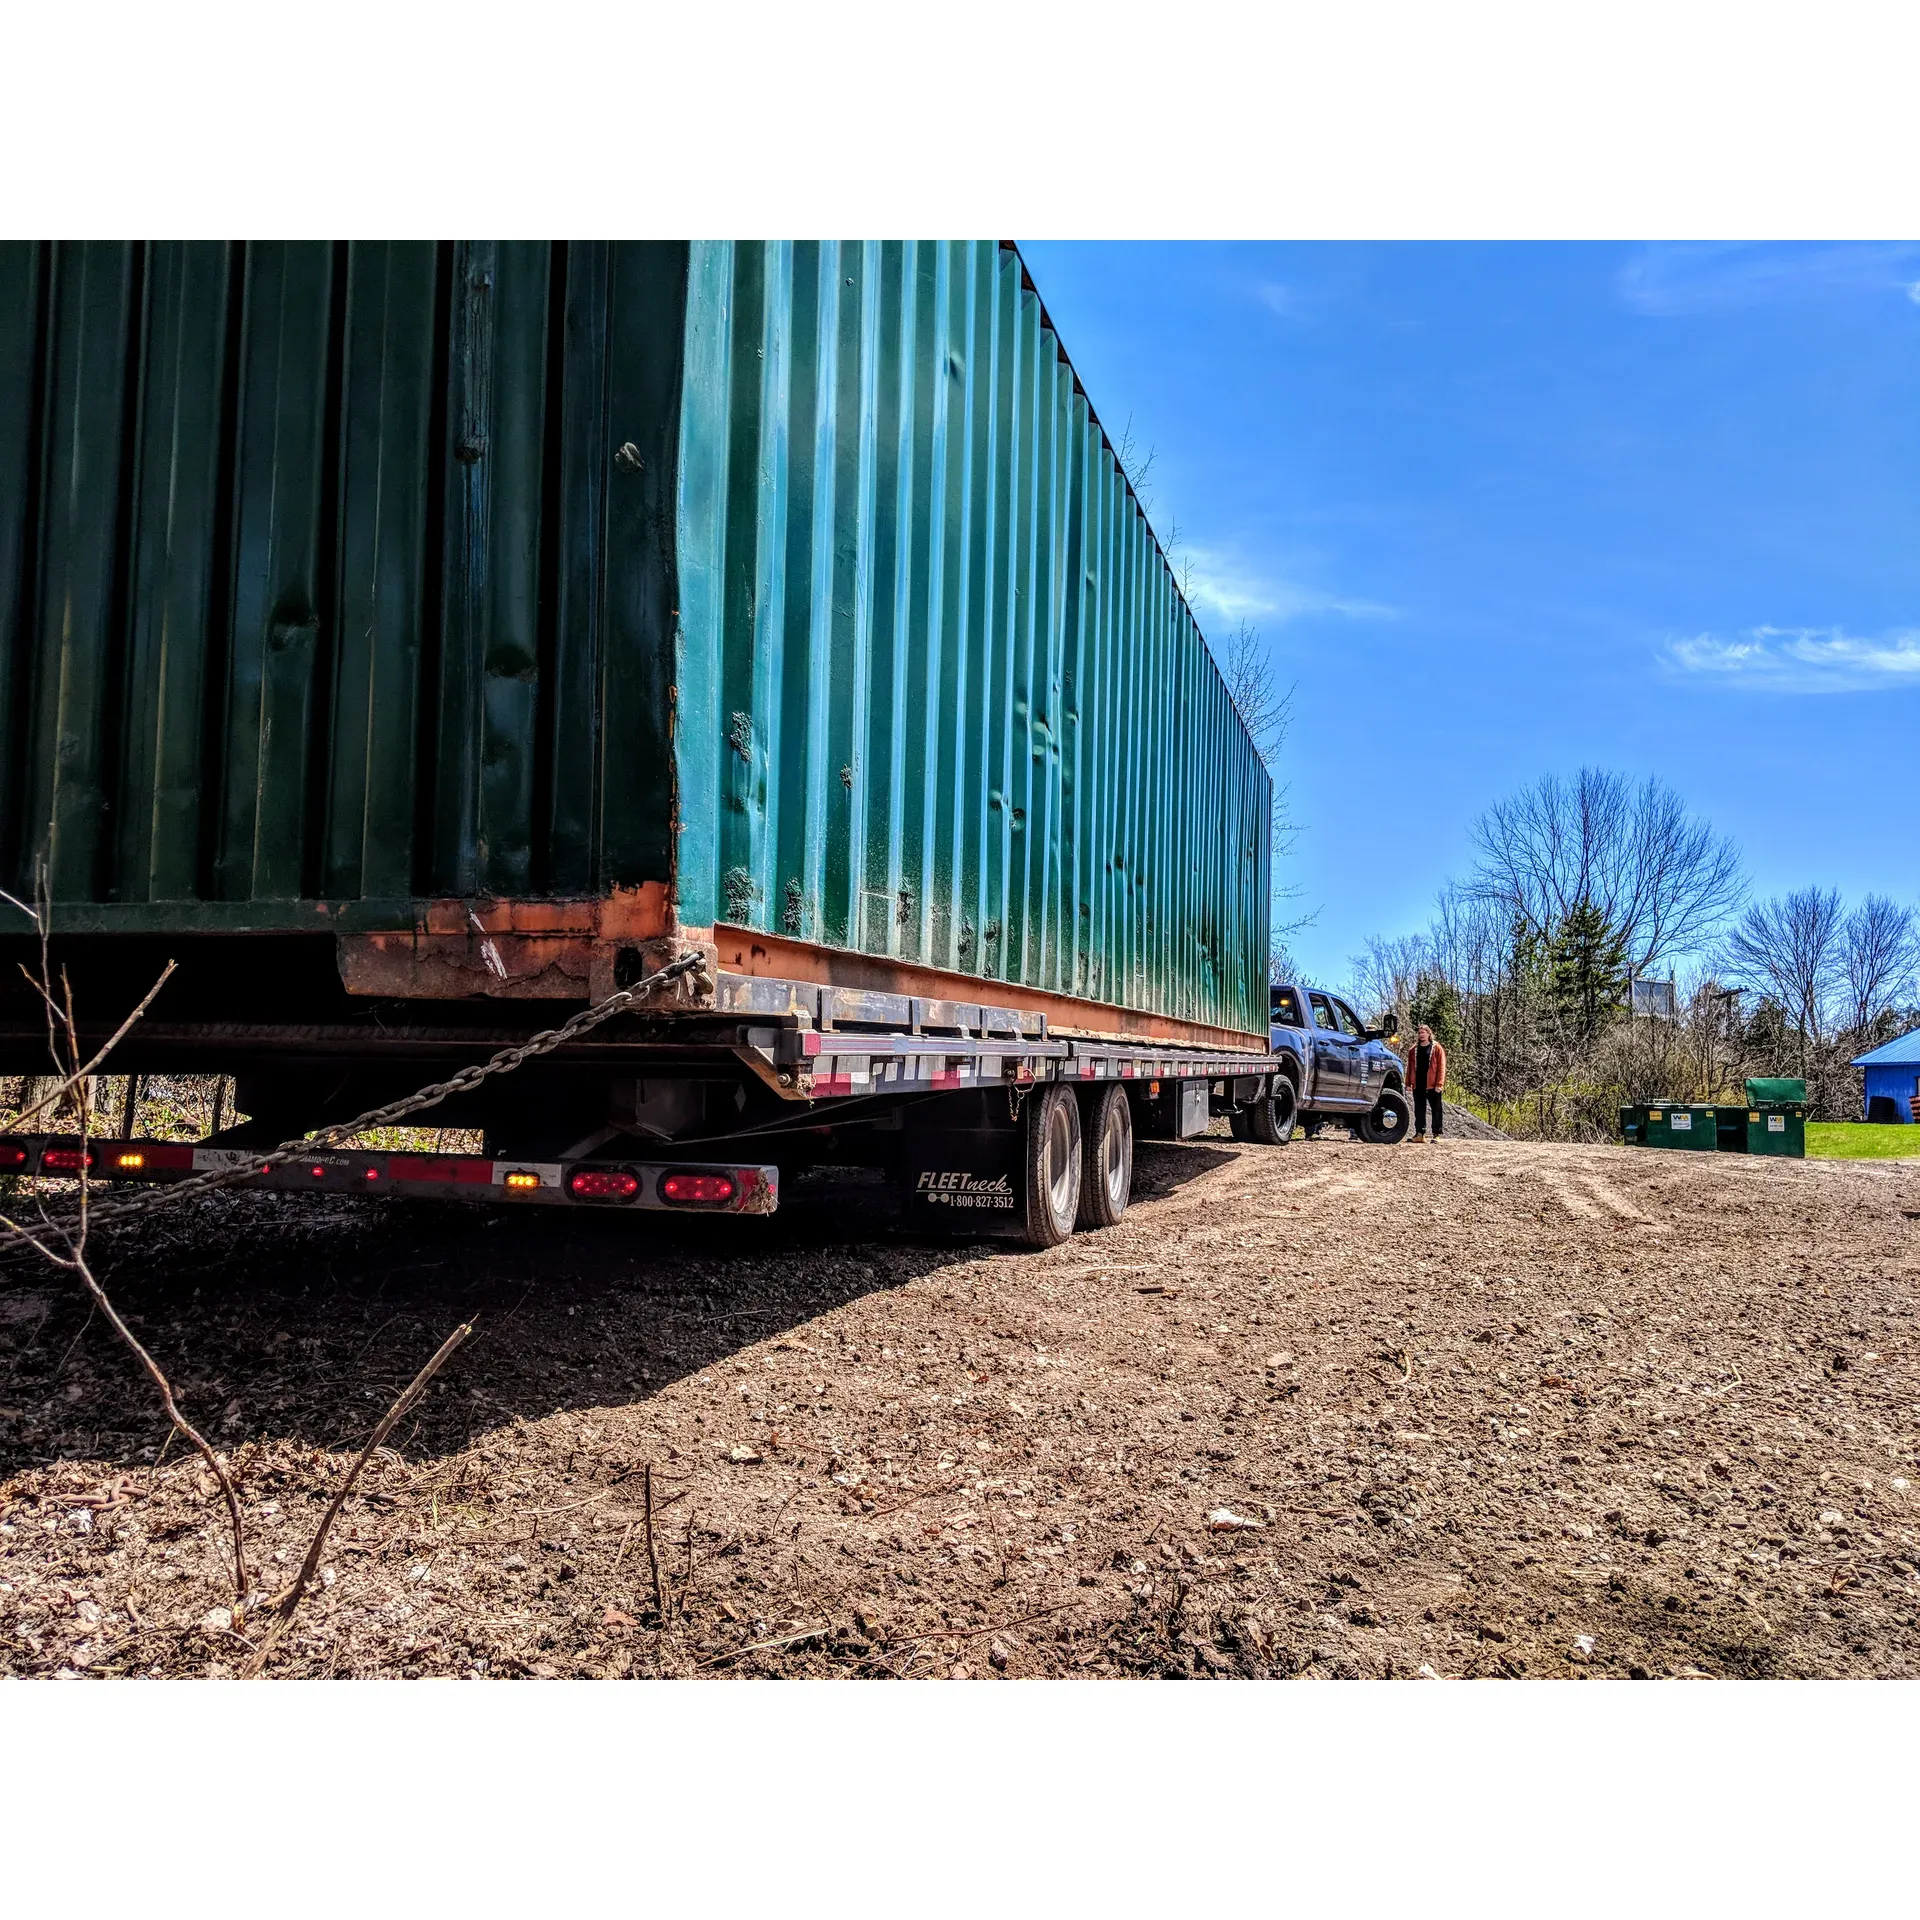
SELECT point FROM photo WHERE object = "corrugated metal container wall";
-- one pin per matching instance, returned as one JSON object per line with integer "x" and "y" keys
{"x": 333, "y": 573}
{"x": 336, "y": 579}
{"x": 932, "y": 661}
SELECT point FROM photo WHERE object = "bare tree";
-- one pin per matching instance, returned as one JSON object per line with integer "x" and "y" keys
{"x": 1879, "y": 954}
{"x": 1253, "y": 686}
{"x": 1388, "y": 975}
{"x": 1792, "y": 949}
{"x": 1265, "y": 708}
{"x": 1136, "y": 463}
{"x": 1665, "y": 881}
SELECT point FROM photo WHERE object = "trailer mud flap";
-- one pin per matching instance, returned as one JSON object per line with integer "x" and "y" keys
{"x": 966, "y": 1182}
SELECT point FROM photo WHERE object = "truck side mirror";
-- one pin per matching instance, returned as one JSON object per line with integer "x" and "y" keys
{"x": 1389, "y": 1025}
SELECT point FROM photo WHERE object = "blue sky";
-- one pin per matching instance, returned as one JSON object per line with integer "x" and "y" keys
{"x": 1504, "y": 509}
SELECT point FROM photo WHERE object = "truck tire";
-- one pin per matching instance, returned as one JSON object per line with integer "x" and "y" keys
{"x": 1053, "y": 1164}
{"x": 1390, "y": 1121}
{"x": 1106, "y": 1173}
{"x": 1270, "y": 1122}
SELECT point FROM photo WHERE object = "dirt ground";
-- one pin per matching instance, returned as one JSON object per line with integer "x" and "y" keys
{"x": 1327, "y": 1411}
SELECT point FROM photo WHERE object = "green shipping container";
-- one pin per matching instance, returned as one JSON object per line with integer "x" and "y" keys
{"x": 556, "y": 596}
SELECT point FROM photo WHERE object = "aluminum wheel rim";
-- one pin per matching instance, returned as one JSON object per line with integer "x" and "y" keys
{"x": 1060, "y": 1158}
{"x": 1387, "y": 1118}
{"x": 1116, "y": 1154}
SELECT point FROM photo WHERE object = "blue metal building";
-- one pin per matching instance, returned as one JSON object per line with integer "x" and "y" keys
{"x": 1893, "y": 1078}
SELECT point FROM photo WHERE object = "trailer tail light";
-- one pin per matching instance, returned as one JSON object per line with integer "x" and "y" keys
{"x": 523, "y": 1182}
{"x": 697, "y": 1189}
{"x": 603, "y": 1183}
{"x": 12, "y": 1157}
{"x": 66, "y": 1159}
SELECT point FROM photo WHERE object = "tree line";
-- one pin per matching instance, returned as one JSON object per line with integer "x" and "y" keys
{"x": 1580, "y": 887}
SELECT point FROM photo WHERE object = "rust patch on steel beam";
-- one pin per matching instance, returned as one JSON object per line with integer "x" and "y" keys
{"x": 770, "y": 956}
{"x": 510, "y": 949}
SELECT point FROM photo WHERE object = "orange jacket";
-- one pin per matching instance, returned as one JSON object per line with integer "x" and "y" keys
{"x": 1436, "y": 1066}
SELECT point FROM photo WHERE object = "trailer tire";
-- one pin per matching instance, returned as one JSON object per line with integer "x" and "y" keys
{"x": 1053, "y": 1162}
{"x": 1106, "y": 1174}
{"x": 1389, "y": 1122}
{"x": 1271, "y": 1121}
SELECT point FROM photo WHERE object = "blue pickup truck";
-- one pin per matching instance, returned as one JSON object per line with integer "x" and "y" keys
{"x": 1334, "y": 1070}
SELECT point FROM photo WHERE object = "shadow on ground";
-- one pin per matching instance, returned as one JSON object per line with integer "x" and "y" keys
{"x": 285, "y": 1319}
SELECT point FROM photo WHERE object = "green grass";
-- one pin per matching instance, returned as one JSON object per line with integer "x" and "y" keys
{"x": 1855, "y": 1140}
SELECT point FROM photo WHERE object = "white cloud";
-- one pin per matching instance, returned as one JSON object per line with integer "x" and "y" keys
{"x": 1800, "y": 659}
{"x": 1237, "y": 591}
{"x": 1284, "y": 301}
{"x": 1689, "y": 277}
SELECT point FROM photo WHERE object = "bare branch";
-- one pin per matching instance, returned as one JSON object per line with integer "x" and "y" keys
{"x": 74, "y": 1080}
{"x": 1790, "y": 948}
{"x": 1879, "y": 955}
{"x": 1665, "y": 881}
{"x": 284, "y": 1606}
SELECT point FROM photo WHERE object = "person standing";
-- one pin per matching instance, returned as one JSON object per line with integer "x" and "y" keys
{"x": 1426, "y": 1065}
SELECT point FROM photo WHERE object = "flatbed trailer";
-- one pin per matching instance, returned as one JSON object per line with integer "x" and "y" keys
{"x": 990, "y": 1119}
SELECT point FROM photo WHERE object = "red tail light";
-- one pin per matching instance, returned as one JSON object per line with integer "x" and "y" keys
{"x": 697, "y": 1189}
{"x": 602, "y": 1183}
{"x": 66, "y": 1159}
{"x": 11, "y": 1157}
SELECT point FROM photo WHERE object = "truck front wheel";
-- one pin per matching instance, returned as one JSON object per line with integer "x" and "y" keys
{"x": 1390, "y": 1121}
{"x": 1052, "y": 1165}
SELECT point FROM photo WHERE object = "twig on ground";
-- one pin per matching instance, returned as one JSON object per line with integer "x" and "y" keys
{"x": 769, "y": 1646}
{"x": 686, "y": 1573}
{"x": 284, "y": 1607}
{"x": 653, "y": 1553}
{"x": 973, "y": 1633}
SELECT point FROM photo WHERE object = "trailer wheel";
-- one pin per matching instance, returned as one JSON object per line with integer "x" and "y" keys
{"x": 1390, "y": 1121}
{"x": 1271, "y": 1121}
{"x": 1053, "y": 1165}
{"x": 1106, "y": 1175}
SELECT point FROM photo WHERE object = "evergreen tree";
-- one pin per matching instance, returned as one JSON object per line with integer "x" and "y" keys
{"x": 1586, "y": 964}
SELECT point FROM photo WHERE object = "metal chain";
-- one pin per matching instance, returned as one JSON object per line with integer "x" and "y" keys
{"x": 505, "y": 1061}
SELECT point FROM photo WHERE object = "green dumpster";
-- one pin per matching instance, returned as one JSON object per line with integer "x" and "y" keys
{"x": 1776, "y": 1093}
{"x": 1633, "y": 1125}
{"x": 1684, "y": 1126}
{"x": 1779, "y": 1129}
